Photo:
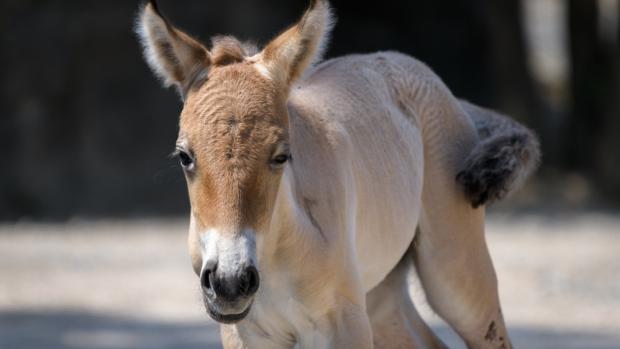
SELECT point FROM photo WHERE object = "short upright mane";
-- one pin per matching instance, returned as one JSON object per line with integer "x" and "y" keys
{"x": 228, "y": 50}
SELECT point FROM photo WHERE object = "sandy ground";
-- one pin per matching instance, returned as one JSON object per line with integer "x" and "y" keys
{"x": 130, "y": 285}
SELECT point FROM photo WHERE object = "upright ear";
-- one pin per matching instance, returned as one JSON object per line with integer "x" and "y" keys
{"x": 287, "y": 56}
{"x": 175, "y": 57}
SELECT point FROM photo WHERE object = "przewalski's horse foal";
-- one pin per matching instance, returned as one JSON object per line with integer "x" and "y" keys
{"x": 314, "y": 188}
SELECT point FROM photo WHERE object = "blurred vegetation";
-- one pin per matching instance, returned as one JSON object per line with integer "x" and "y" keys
{"x": 87, "y": 129}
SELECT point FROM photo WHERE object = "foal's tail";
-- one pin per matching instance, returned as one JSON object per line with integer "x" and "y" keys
{"x": 505, "y": 157}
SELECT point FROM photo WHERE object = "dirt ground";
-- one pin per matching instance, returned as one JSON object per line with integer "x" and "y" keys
{"x": 110, "y": 285}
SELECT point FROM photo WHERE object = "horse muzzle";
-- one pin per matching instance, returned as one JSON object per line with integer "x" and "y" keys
{"x": 228, "y": 296}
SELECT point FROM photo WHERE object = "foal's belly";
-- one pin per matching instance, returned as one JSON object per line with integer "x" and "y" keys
{"x": 388, "y": 174}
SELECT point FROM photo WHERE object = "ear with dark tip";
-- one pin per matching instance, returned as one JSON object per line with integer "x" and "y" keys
{"x": 287, "y": 56}
{"x": 155, "y": 7}
{"x": 175, "y": 57}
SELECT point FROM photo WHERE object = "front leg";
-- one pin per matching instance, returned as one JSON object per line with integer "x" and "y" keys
{"x": 395, "y": 320}
{"x": 347, "y": 326}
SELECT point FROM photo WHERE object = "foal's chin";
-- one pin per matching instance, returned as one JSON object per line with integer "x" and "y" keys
{"x": 228, "y": 313}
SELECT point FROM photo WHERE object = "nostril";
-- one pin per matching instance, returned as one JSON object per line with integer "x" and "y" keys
{"x": 206, "y": 278}
{"x": 251, "y": 281}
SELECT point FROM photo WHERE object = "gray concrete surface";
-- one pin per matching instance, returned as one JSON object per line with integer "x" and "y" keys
{"x": 105, "y": 285}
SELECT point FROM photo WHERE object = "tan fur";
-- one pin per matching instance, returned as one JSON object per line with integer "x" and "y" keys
{"x": 175, "y": 57}
{"x": 376, "y": 141}
{"x": 227, "y": 50}
{"x": 290, "y": 54}
{"x": 395, "y": 321}
{"x": 233, "y": 133}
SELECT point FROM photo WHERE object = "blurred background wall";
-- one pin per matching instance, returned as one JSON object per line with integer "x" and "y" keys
{"x": 86, "y": 130}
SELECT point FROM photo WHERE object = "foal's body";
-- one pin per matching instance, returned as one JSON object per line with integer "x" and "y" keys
{"x": 378, "y": 140}
{"x": 360, "y": 154}
{"x": 351, "y": 197}
{"x": 330, "y": 185}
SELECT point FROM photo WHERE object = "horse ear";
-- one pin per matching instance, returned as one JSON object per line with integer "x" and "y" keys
{"x": 175, "y": 57}
{"x": 288, "y": 55}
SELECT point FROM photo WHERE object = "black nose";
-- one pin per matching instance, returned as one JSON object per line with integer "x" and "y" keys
{"x": 248, "y": 281}
{"x": 229, "y": 288}
{"x": 207, "y": 276}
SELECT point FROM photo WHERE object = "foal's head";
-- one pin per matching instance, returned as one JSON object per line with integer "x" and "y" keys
{"x": 233, "y": 142}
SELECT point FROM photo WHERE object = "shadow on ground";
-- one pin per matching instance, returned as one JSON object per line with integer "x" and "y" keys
{"x": 66, "y": 329}
{"x": 55, "y": 330}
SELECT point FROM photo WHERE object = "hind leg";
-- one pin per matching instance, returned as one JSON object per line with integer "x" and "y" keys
{"x": 457, "y": 274}
{"x": 394, "y": 319}
{"x": 451, "y": 254}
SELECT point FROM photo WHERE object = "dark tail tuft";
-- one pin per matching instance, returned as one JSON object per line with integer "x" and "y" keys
{"x": 506, "y": 156}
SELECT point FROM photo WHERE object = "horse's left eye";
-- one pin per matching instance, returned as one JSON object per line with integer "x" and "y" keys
{"x": 279, "y": 160}
{"x": 185, "y": 159}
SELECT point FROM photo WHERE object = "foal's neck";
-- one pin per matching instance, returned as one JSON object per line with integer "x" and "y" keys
{"x": 288, "y": 235}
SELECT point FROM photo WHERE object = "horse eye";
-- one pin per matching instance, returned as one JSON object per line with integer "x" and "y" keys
{"x": 280, "y": 159}
{"x": 185, "y": 159}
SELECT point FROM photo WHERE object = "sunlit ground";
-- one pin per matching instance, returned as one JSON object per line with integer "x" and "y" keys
{"x": 130, "y": 285}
